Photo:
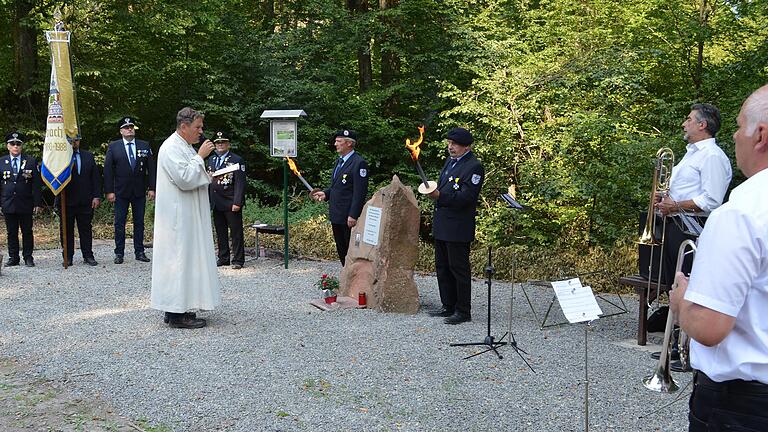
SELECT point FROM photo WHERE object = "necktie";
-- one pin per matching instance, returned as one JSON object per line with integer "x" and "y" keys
{"x": 219, "y": 162}
{"x": 77, "y": 161}
{"x": 131, "y": 157}
{"x": 15, "y": 166}
{"x": 450, "y": 167}
{"x": 339, "y": 163}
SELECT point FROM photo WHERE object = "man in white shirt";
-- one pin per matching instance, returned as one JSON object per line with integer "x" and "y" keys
{"x": 698, "y": 183}
{"x": 723, "y": 305}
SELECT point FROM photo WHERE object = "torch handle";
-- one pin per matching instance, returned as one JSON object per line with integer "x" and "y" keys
{"x": 421, "y": 174}
{"x": 309, "y": 188}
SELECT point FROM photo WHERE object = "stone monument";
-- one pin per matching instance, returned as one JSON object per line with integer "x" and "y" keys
{"x": 383, "y": 250}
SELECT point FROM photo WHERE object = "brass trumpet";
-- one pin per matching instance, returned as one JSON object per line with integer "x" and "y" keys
{"x": 661, "y": 380}
{"x": 665, "y": 161}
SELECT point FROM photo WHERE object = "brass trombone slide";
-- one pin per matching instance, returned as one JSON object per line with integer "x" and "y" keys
{"x": 661, "y": 379}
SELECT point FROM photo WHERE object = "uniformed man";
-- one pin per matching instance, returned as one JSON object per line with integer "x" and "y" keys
{"x": 19, "y": 198}
{"x": 129, "y": 174}
{"x": 227, "y": 192}
{"x": 453, "y": 226}
{"x": 83, "y": 195}
{"x": 348, "y": 190}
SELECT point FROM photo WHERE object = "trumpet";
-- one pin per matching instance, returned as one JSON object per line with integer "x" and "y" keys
{"x": 661, "y": 380}
{"x": 665, "y": 161}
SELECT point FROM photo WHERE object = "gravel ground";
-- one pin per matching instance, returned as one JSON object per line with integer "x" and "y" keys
{"x": 270, "y": 361}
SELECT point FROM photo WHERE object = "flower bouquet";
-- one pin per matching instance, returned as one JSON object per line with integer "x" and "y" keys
{"x": 329, "y": 285}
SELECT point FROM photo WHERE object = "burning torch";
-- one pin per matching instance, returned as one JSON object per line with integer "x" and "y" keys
{"x": 426, "y": 187}
{"x": 295, "y": 170}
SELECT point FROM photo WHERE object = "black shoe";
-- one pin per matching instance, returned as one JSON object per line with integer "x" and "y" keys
{"x": 457, "y": 318}
{"x": 675, "y": 355}
{"x": 237, "y": 266}
{"x": 677, "y": 366}
{"x": 29, "y": 262}
{"x": 90, "y": 261}
{"x": 118, "y": 259}
{"x": 221, "y": 263}
{"x": 141, "y": 257}
{"x": 188, "y": 315}
{"x": 186, "y": 322}
{"x": 12, "y": 262}
{"x": 443, "y": 312}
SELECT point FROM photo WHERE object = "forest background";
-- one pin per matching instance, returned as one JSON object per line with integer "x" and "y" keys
{"x": 568, "y": 100}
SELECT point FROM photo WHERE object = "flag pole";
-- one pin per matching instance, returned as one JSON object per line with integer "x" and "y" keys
{"x": 63, "y": 226}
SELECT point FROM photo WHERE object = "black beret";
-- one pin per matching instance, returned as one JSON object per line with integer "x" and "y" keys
{"x": 345, "y": 133}
{"x": 460, "y": 136}
{"x": 126, "y": 121}
{"x": 220, "y": 136}
{"x": 15, "y": 136}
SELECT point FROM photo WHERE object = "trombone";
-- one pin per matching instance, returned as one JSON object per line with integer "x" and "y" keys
{"x": 661, "y": 380}
{"x": 665, "y": 161}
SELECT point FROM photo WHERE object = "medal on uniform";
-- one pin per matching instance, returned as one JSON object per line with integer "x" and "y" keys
{"x": 344, "y": 179}
{"x": 456, "y": 183}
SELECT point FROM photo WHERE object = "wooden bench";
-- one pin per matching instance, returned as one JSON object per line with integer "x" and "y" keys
{"x": 266, "y": 229}
{"x": 641, "y": 288}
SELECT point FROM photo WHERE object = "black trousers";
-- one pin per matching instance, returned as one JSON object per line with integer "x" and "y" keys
{"x": 454, "y": 275}
{"x": 83, "y": 215}
{"x": 229, "y": 223}
{"x": 341, "y": 235}
{"x": 121, "y": 216}
{"x": 674, "y": 236}
{"x": 728, "y": 406}
{"x": 13, "y": 222}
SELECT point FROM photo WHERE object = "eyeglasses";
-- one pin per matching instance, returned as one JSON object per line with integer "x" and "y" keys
{"x": 15, "y": 143}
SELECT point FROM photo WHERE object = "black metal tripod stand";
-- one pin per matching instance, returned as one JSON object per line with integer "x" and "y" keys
{"x": 489, "y": 340}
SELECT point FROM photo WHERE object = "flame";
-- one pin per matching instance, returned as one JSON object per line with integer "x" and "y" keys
{"x": 414, "y": 148}
{"x": 293, "y": 167}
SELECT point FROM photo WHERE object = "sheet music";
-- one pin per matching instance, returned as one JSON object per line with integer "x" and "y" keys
{"x": 577, "y": 302}
{"x": 226, "y": 169}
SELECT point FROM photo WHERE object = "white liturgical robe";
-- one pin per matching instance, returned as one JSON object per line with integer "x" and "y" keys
{"x": 184, "y": 274}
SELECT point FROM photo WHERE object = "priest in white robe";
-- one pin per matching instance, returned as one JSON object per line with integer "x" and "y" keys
{"x": 184, "y": 275}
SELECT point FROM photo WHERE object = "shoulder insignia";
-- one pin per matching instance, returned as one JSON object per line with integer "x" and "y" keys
{"x": 363, "y": 172}
{"x": 242, "y": 167}
{"x": 476, "y": 179}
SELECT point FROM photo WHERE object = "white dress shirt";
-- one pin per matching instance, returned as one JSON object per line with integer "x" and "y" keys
{"x": 702, "y": 175}
{"x": 133, "y": 148}
{"x": 730, "y": 275}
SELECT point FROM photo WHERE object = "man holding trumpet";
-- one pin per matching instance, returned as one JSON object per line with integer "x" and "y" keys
{"x": 722, "y": 307}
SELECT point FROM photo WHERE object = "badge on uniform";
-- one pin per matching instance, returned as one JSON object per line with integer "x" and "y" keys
{"x": 242, "y": 167}
{"x": 363, "y": 172}
{"x": 450, "y": 179}
{"x": 344, "y": 179}
{"x": 476, "y": 179}
{"x": 456, "y": 183}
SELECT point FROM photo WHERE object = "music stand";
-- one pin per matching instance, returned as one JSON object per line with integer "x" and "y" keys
{"x": 489, "y": 340}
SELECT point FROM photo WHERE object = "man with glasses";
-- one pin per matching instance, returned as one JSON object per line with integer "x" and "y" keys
{"x": 227, "y": 194}
{"x": 19, "y": 198}
{"x": 129, "y": 173}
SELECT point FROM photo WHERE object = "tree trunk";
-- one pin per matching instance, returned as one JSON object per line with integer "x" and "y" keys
{"x": 25, "y": 53}
{"x": 390, "y": 62}
{"x": 704, "y": 14}
{"x": 364, "y": 65}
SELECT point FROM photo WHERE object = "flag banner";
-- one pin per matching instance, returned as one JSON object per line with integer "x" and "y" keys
{"x": 62, "y": 123}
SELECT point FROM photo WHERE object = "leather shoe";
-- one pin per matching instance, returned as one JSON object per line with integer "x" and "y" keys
{"x": 12, "y": 262}
{"x": 90, "y": 261}
{"x": 29, "y": 262}
{"x": 118, "y": 259}
{"x": 167, "y": 316}
{"x": 443, "y": 312}
{"x": 186, "y": 322}
{"x": 141, "y": 257}
{"x": 237, "y": 266}
{"x": 222, "y": 263}
{"x": 457, "y": 318}
{"x": 677, "y": 366}
{"x": 675, "y": 355}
